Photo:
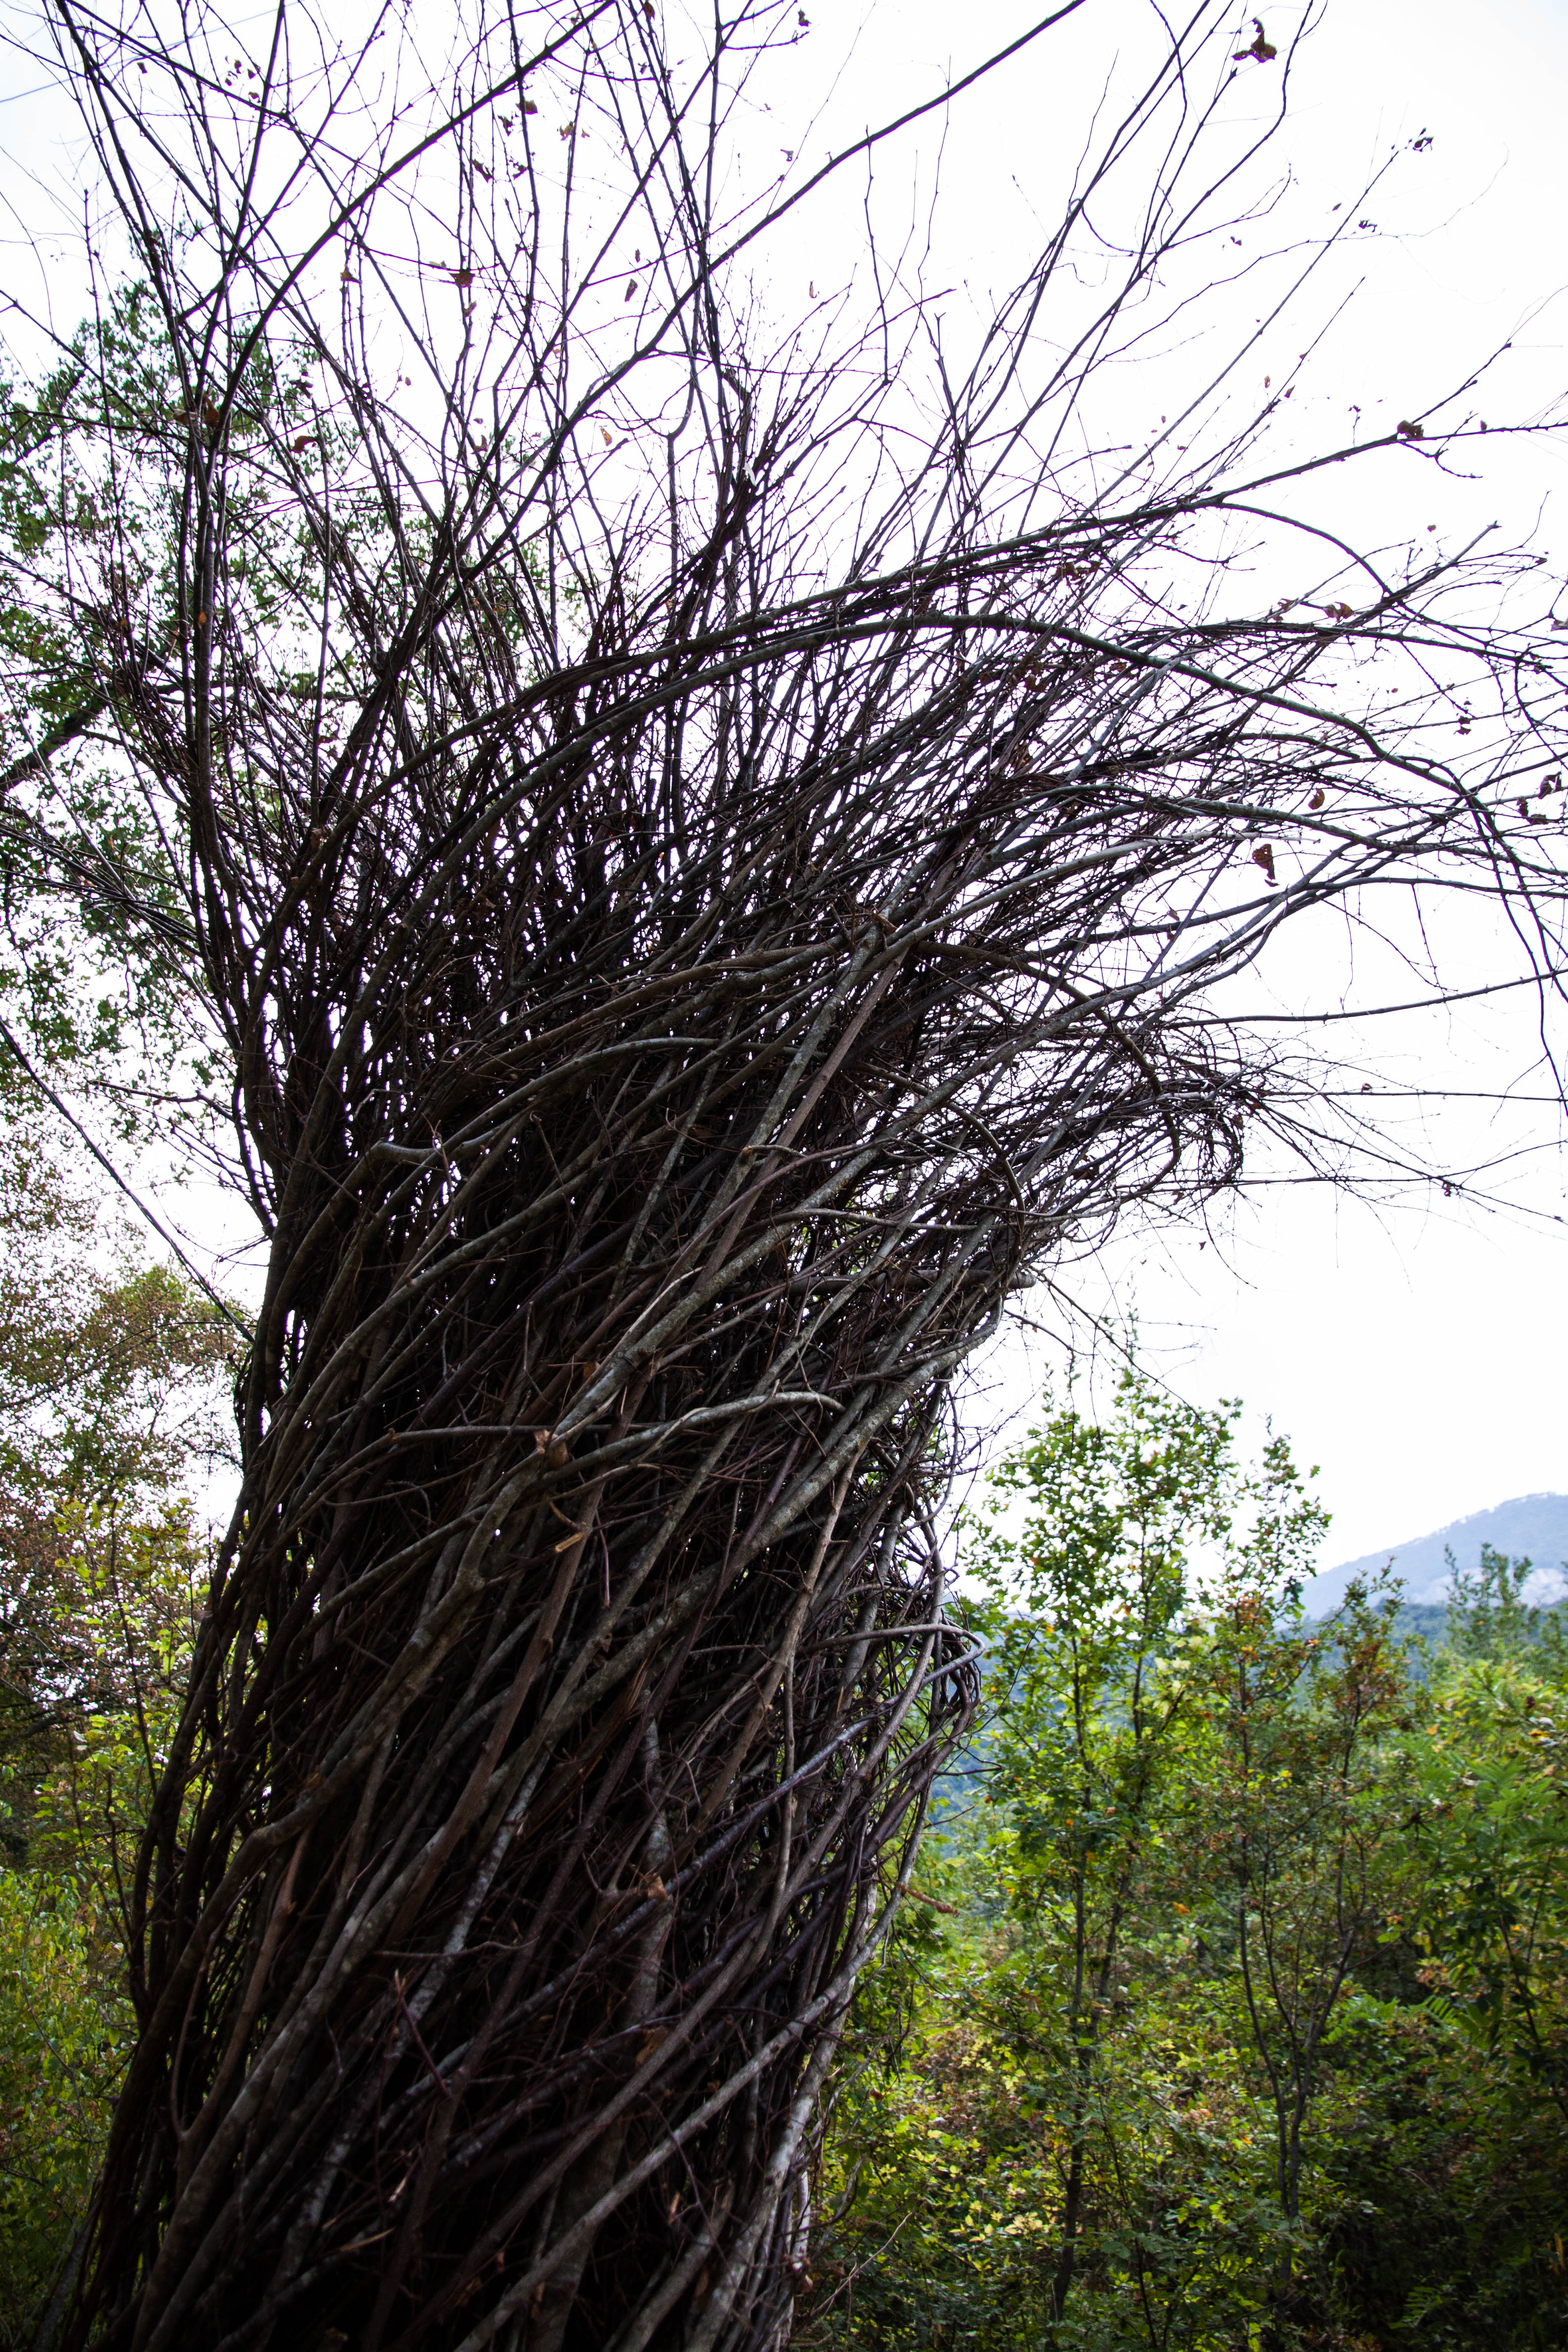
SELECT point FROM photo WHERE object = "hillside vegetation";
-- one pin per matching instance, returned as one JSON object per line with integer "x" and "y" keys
{"x": 1231, "y": 2005}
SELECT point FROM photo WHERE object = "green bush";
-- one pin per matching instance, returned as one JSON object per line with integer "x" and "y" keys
{"x": 65, "y": 2033}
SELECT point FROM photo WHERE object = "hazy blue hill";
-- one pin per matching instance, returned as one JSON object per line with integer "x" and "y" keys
{"x": 1425, "y": 1618}
{"x": 1534, "y": 1527}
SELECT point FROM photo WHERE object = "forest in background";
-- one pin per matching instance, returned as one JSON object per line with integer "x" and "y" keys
{"x": 1231, "y": 2009}
{"x": 113, "y": 1418}
{"x": 1230, "y": 2006}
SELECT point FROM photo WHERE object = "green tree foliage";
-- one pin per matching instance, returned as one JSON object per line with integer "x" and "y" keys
{"x": 111, "y": 1379}
{"x": 95, "y": 974}
{"x": 109, "y": 1371}
{"x": 99, "y": 982}
{"x": 1490, "y": 1776}
{"x": 64, "y": 2037}
{"x": 1230, "y": 2008}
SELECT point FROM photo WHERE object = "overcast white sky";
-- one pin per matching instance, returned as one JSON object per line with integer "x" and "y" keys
{"x": 1413, "y": 1352}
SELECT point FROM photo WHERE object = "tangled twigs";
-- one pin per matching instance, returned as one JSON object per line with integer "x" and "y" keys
{"x": 684, "y": 958}
{"x": 561, "y": 1703}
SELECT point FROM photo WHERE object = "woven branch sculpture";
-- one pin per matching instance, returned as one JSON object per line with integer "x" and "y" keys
{"x": 690, "y": 940}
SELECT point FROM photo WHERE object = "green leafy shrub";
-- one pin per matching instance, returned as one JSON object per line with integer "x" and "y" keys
{"x": 65, "y": 2032}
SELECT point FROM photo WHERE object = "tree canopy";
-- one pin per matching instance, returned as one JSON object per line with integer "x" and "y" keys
{"x": 1232, "y": 2003}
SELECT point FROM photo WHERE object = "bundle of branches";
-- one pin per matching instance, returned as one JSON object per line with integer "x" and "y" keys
{"x": 690, "y": 945}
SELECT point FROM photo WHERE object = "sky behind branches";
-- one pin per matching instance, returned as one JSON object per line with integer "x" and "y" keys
{"x": 1407, "y": 1341}
{"x": 1411, "y": 1343}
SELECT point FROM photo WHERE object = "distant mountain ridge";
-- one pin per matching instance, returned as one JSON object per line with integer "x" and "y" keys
{"x": 1532, "y": 1527}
